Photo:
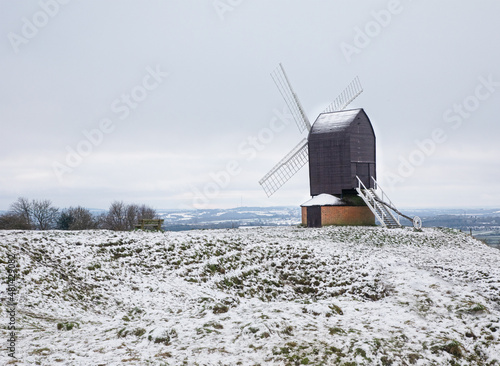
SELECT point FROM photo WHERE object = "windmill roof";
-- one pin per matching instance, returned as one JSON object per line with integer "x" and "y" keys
{"x": 335, "y": 121}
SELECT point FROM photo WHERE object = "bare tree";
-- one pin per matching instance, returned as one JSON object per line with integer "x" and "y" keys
{"x": 136, "y": 213}
{"x": 13, "y": 221}
{"x": 146, "y": 212}
{"x": 101, "y": 221}
{"x": 82, "y": 219}
{"x": 124, "y": 217}
{"x": 76, "y": 218}
{"x": 64, "y": 221}
{"x": 23, "y": 209}
{"x": 116, "y": 219}
{"x": 44, "y": 214}
{"x": 132, "y": 213}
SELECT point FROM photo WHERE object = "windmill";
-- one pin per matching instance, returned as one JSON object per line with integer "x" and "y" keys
{"x": 299, "y": 156}
{"x": 340, "y": 149}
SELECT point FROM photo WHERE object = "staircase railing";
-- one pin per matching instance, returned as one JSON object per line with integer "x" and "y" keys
{"x": 384, "y": 197}
{"x": 383, "y": 206}
{"x": 380, "y": 208}
{"x": 387, "y": 202}
{"x": 370, "y": 201}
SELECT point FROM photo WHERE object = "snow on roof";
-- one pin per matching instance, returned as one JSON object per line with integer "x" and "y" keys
{"x": 335, "y": 121}
{"x": 324, "y": 199}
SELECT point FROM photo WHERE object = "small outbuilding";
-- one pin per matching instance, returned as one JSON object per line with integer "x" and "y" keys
{"x": 326, "y": 209}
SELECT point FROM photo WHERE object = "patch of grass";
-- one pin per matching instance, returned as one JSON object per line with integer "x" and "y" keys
{"x": 214, "y": 268}
{"x": 220, "y": 309}
{"x": 123, "y": 333}
{"x": 492, "y": 327}
{"x": 139, "y": 332}
{"x": 163, "y": 354}
{"x": 386, "y": 361}
{"x": 137, "y": 310}
{"x": 41, "y": 351}
{"x": 288, "y": 330}
{"x": 454, "y": 348}
{"x": 210, "y": 327}
{"x": 377, "y": 343}
{"x": 165, "y": 340}
{"x": 336, "y": 309}
{"x": 94, "y": 266}
{"x": 67, "y": 326}
{"x": 360, "y": 352}
{"x": 131, "y": 359}
{"x": 477, "y": 308}
{"x": 413, "y": 358}
{"x": 216, "y": 325}
{"x": 336, "y": 330}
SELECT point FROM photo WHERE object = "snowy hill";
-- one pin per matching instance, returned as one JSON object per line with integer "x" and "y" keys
{"x": 257, "y": 296}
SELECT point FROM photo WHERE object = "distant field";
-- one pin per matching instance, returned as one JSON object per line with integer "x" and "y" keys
{"x": 490, "y": 237}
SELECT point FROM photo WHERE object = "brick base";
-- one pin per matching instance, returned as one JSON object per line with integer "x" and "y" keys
{"x": 343, "y": 215}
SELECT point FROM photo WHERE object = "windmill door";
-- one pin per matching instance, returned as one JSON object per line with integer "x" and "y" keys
{"x": 363, "y": 172}
{"x": 314, "y": 216}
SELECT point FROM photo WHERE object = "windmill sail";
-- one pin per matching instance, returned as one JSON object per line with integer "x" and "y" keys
{"x": 286, "y": 168}
{"x": 291, "y": 100}
{"x": 345, "y": 98}
{"x": 299, "y": 156}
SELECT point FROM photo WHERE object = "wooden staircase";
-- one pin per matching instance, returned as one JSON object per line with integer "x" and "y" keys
{"x": 381, "y": 209}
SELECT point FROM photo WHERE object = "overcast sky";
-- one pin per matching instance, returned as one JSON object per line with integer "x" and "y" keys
{"x": 171, "y": 103}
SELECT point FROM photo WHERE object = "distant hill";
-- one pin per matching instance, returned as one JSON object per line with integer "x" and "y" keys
{"x": 177, "y": 220}
{"x": 484, "y": 223}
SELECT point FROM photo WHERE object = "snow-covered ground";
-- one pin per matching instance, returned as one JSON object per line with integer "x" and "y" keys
{"x": 257, "y": 296}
